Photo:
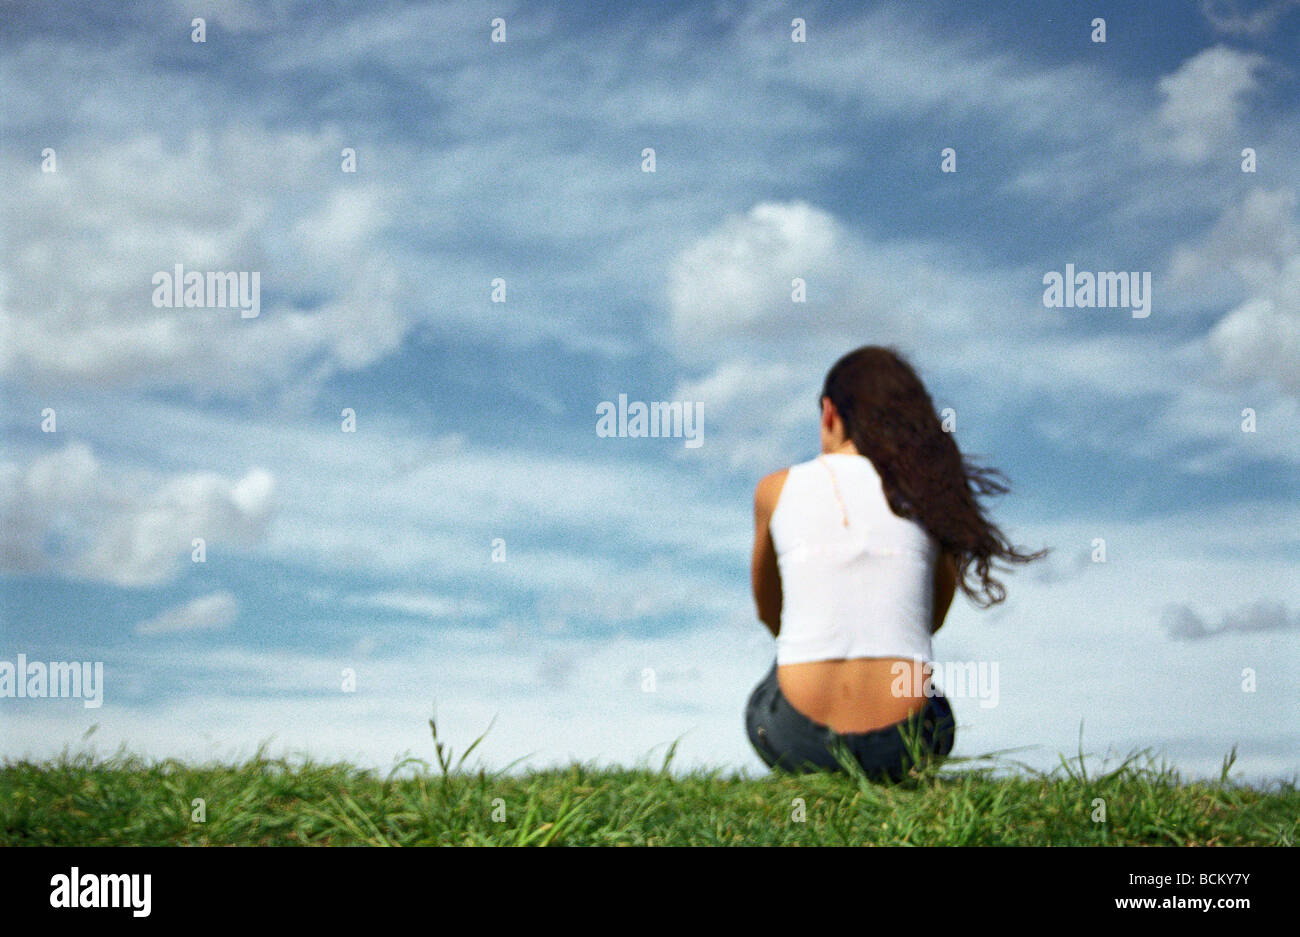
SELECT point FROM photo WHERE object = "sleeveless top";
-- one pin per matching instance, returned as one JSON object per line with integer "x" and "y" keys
{"x": 857, "y": 580}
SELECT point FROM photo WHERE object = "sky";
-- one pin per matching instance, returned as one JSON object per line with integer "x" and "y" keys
{"x": 464, "y": 247}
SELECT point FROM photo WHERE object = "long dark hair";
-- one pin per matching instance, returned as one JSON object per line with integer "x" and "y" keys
{"x": 888, "y": 414}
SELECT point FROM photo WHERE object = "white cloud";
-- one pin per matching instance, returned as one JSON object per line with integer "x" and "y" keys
{"x": 1254, "y": 246}
{"x": 1227, "y": 17}
{"x": 422, "y": 604}
{"x": 733, "y": 381}
{"x": 585, "y": 537}
{"x": 892, "y": 63}
{"x": 64, "y": 513}
{"x": 735, "y": 282}
{"x": 730, "y": 292}
{"x": 1203, "y": 101}
{"x": 1260, "y": 339}
{"x": 78, "y": 300}
{"x": 212, "y": 612}
{"x": 1253, "y": 241}
{"x": 760, "y": 410}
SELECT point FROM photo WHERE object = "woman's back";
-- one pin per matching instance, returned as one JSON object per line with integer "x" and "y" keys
{"x": 857, "y": 579}
{"x": 858, "y": 594}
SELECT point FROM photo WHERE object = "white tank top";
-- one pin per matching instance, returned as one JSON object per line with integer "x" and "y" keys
{"x": 864, "y": 588}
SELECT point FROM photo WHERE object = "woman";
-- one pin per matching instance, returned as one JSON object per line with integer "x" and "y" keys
{"x": 857, "y": 556}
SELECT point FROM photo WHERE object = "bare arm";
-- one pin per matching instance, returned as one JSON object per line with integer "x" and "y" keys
{"x": 945, "y": 586}
{"x": 765, "y": 574}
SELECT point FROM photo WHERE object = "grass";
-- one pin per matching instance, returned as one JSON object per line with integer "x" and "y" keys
{"x": 78, "y": 799}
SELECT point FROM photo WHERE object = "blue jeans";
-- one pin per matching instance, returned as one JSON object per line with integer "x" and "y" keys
{"x": 787, "y": 740}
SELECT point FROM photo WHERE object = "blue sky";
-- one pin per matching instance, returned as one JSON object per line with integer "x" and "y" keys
{"x": 371, "y": 551}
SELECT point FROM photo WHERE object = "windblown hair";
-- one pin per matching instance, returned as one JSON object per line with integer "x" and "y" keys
{"x": 888, "y": 414}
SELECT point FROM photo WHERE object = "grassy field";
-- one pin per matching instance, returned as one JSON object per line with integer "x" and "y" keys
{"x": 82, "y": 800}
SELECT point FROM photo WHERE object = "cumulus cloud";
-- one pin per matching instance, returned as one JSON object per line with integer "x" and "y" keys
{"x": 77, "y": 304}
{"x": 1181, "y": 623}
{"x": 735, "y": 284}
{"x": 63, "y": 513}
{"x": 207, "y": 613}
{"x": 1253, "y": 241}
{"x": 1254, "y": 246}
{"x": 733, "y": 313}
{"x": 738, "y": 277}
{"x": 1261, "y": 337}
{"x": 730, "y": 291}
{"x": 1204, "y": 99}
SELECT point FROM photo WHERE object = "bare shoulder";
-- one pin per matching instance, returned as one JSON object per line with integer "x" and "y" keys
{"x": 768, "y": 489}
